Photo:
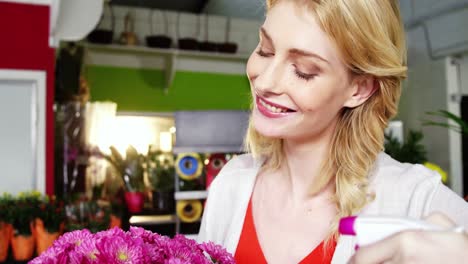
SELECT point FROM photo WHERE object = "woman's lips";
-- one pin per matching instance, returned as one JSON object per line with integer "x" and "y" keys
{"x": 272, "y": 110}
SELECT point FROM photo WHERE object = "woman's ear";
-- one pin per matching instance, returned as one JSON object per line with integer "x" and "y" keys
{"x": 363, "y": 87}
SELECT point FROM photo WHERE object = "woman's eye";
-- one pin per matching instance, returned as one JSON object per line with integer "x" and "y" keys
{"x": 304, "y": 76}
{"x": 264, "y": 54}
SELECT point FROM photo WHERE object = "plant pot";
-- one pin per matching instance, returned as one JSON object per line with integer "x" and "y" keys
{"x": 227, "y": 47}
{"x": 188, "y": 44}
{"x": 135, "y": 201}
{"x": 158, "y": 41}
{"x": 22, "y": 247}
{"x": 207, "y": 46}
{"x": 6, "y": 231}
{"x": 163, "y": 202}
{"x": 101, "y": 36}
{"x": 115, "y": 221}
{"x": 44, "y": 239}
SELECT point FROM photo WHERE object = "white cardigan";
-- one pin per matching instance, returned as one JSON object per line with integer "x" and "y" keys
{"x": 401, "y": 190}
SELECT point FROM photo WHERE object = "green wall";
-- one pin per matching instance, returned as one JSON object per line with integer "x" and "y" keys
{"x": 142, "y": 90}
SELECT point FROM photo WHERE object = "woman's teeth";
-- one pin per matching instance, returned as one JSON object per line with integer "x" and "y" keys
{"x": 273, "y": 109}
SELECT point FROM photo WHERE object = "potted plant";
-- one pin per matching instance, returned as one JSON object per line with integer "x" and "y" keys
{"x": 411, "y": 151}
{"x": 98, "y": 216}
{"x": 459, "y": 125}
{"x": 131, "y": 171}
{"x": 87, "y": 214}
{"x": 23, "y": 213}
{"x": 117, "y": 210}
{"x": 161, "y": 175}
{"x": 50, "y": 223}
{"x": 6, "y": 230}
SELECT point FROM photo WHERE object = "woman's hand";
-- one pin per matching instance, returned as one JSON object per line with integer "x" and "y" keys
{"x": 418, "y": 246}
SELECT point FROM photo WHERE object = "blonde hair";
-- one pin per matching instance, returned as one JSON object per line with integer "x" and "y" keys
{"x": 369, "y": 36}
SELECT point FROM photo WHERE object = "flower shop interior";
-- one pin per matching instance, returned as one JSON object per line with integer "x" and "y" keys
{"x": 122, "y": 112}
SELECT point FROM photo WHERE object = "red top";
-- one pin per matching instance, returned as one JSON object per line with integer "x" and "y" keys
{"x": 249, "y": 250}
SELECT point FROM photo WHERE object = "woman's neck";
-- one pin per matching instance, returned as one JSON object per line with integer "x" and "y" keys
{"x": 303, "y": 163}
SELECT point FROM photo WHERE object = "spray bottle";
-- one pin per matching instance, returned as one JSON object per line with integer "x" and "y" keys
{"x": 370, "y": 229}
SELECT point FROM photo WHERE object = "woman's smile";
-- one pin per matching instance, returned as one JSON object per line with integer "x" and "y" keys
{"x": 272, "y": 110}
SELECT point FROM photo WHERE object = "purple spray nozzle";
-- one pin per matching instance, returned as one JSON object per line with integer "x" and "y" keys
{"x": 346, "y": 226}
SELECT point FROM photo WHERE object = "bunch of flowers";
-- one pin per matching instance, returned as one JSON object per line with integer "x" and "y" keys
{"x": 87, "y": 214}
{"x": 52, "y": 213}
{"x": 25, "y": 208}
{"x": 138, "y": 245}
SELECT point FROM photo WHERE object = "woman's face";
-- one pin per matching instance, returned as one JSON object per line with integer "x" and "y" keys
{"x": 299, "y": 84}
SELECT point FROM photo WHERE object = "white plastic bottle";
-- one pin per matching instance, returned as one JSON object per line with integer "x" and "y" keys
{"x": 370, "y": 229}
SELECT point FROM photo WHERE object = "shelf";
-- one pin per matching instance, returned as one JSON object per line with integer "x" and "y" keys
{"x": 169, "y": 52}
{"x": 208, "y": 149}
{"x": 173, "y": 59}
{"x": 152, "y": 219}
{"x": 190, "y": 195}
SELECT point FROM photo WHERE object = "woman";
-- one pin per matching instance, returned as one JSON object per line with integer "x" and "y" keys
{"x": 325, "y": 79}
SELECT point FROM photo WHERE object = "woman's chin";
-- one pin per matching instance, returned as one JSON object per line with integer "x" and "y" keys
{"x": 269, "y": 135}
{"x": 270, "y": 127}
{"x": 268, "y": 131}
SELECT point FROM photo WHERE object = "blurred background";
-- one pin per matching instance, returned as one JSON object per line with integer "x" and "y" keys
{"x": 122, "y": 112}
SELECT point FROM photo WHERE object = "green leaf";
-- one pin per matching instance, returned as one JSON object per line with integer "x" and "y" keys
{"x": 411, "y": 151}
{"x": 462, "y": 125}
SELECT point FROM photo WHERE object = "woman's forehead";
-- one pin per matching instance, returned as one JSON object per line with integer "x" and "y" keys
{"x": 291, "y": 27}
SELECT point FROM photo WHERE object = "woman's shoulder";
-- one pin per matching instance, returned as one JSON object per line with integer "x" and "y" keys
{"x": 239, "y": 170}
{"x": 227, "y": 201}
{"x": 390, "y": 170}
{"x": 401, "y": 188}
{"x": 241, "y": 162}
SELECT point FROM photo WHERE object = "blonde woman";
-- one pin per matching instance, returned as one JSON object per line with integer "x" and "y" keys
{"x": 325, "y": 80}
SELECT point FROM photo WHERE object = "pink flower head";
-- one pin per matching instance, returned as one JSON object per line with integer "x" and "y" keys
{"x": 86, "y": 252}
{"x": 217, "y": 253}
{"x": 74, "y": 238}
{"x": 119, "y": 250}
{"x": 114, "y": 232}
{"x": 176, "y": 261}
{"x": 147, "y": 236}
{"x": 185, "y": 249}
{"x": 50, "y": 256}
{"x": 56, "y": 254}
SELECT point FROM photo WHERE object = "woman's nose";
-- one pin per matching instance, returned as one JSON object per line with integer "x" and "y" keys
{"x": 269, "y": 79}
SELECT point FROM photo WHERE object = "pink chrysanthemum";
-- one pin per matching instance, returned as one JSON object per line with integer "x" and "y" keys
{"x": 53, "y": 255}
{"x": 118, "y": 250}
{"x": 114, "y": 232}
{"x": 135, "y": 246}
{"x": 86, "y": 252}
{"x": 74, "y": 238}
{"x": 176, "y": 261}
{"x": 186, "y": 250}
{"x": 217, "y": 253}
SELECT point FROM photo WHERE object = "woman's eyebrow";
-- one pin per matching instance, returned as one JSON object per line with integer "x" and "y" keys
{"x": 307, "y": 54}
{"x": 293, "y": 51}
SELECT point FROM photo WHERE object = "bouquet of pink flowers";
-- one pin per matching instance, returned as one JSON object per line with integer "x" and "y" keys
{"x": 136, "y": 246}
